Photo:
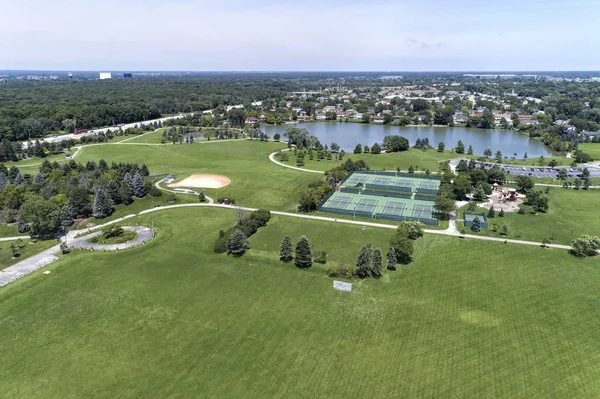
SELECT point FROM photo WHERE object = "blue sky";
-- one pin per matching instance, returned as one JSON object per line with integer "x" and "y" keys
{"x": 304, "y": 35}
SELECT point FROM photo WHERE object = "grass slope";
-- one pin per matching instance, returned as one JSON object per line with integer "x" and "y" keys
{"x": 593, "y": 149}
{"x": 26, "y": 251}
{"x": 467, "y": 319}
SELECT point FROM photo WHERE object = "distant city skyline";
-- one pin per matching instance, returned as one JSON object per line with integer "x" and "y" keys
{"x": 231, "y": 35}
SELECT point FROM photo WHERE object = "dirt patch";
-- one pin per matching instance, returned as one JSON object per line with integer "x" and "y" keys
{"x": 203, "y": 181}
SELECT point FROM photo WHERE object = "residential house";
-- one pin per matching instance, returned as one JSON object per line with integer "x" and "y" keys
{"x": 251, "y": 120}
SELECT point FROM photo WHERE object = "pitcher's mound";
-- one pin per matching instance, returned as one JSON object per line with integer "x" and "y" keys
{"x": 203, "y": 181}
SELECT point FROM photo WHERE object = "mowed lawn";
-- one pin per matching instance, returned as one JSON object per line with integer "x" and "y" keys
{"x": 419, "y": 159}
{"x": 592, "y": 149}
{"x": 466, "y": 319}
{"x": 255, "y": 180}
{"x": 28, "y": 248}
{"x": 571, "y": 213}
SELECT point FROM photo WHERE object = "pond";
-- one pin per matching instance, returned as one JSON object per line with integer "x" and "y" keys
{"x": 347, "y": 135}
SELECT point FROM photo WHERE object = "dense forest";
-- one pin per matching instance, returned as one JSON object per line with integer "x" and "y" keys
{"x": 33, "y": 109}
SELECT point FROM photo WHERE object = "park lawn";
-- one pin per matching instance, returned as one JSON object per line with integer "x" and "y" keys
{"x": 28, "y": 248}
{"x": 170, "y": 318}
{"x": 571, "y": 213}
{"x": 150, "y": 138}
{"x": 10, "y": 231}
{"x": 592, "y": 149}
{"x": 255, "y": 180}
{"x": 419, "y": 159}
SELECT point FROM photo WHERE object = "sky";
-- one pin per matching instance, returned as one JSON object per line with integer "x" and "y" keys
{"x": 307, "y": 35}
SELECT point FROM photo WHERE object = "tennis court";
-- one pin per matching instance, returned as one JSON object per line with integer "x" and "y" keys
{"x": 431, "y": 185}
{"x": 394, "y": 208}
{"x": 356, "y": 179}
{"x": 422, "y": 211}
{"x": 404, "y": 183}
{"x": 340, "y": 202}
{"x": 366, "y": 205}
{"x": 381, "y": 181}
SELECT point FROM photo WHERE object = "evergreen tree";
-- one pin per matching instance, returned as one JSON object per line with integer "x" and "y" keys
{"x": 3, "y": 181}
{"x": 22, "y": 226}
{"x": 476, "y": 225}
{"x": 470, "y": 150}
{"x": 501, "y": 213}
{"x": 236, "y": 243}
{"x": 102, "y": 204}
{"x": 144, "y": 170}
{"x": 102, "y": 166}
{"x": 377, "y": 263}
{"x": 286, "y": 250}
{"x": 67, "y": 213}
{"x": 491, "y": 213}
{"x": 139, "y": 190}
{"x": 303, "y": 254}
{"x": 128, "y": 180}
{"x": 201, "y": 197}
{"x": 460, "y": 147}
{"x": 363, "y": 262}
{"x": 18, "y": 179}
{"x": 391, "y": 259}
{"x": 125, "y": 194}
{"x": 112, "y": 188}
{"x": 38, "y": 180}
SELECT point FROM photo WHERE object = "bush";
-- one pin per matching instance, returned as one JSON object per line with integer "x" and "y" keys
{"x": 154, "y": 192}
{"x": 342, "y": 270}
{"x": 320, "y": 257}
{"x": 521, "y": 211}
{"x": 221, "y": 243}
{"x": 113, "y": 231}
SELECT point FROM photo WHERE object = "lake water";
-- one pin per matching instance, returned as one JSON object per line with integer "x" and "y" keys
{"x": 347, "y": 135}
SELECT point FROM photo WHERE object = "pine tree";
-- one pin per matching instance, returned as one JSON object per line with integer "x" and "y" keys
{"x": 501, "y": 213}
{"x": 476, "y": 225}
{"x": 377, "y": 263}
{"x": 391, "y": 259}
{"x": 202, "y": 197}
{"x": 363, "y": 262}
{"x": 286, "y": 250}
{"x": 67, "y": 213}
{"x": 102, "y": 165}
{"x": 38, "y": 180}
{"x": 3, "y": 181}
{"x": 144, "y": 170}
{"x": 102, "y": 204}
{"x": 18, "y": 179}
{"x": 470, "y": 150}
{"x": 303, "y": 254}
{"x": 22, "y": 226}
{"x": 125, "y": 194}
{"x": 139, "y": 190}
{"x": 236, "y": 243}
{"x": 112, "y": 188}
{"x": 491, "y": 213}
{"x": 128, "y": 180}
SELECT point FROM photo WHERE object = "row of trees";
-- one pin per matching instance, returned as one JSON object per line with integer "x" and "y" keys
{"x": 235, "y": 240}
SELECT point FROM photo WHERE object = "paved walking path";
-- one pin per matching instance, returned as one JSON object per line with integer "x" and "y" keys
{"x": 143, "y": 235}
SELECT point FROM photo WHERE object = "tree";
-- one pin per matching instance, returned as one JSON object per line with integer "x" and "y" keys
{"x": 487, "y": 152}
{"x": 395, "y": 143}
{"x": 237, "y": 117}
{"x": 43, "y": 217}
{"x": 363, "y": 262}
{"x": 470, "y": 150}
{"x": 67, "y": 214}
{"x": 335, "y": 147}
{"x": 476, "y": 225}
{"x": 376, "y": 149}
{"x": 553, "y": 163}
{"x": 365, "y": 118}
{"x": 403, "y": 247}
{"x": 286, "y": 250}
{"x": 411, "y": 229}
{"x": 538, "y": 200}
{"x": 411, "y": 169}
{"x": 358, "y": 149}
{"x": 236, "y": 243}
{"x": 38, "y": 180}
{"x": 441, "y": 146}
{"x": 499, "y": 156}
{"x": 303, "y": 254}
{"x": 585, "y": 246}
{"x": 276, "y": 137}
{"x": 144, "y": 169}
{"x": 524, "y": 183}
{"x": 139, "y": 190}
{"x": 377, "y": 263}
{"x": 18, "y": 179}
{"x": 387, "y": 118}
{"x": 501, "y": 213}
{"x": 201, "y": 197}
{"x": 366, "y": 149}
{"x": 491, "y": 213}
{"x": 562, "y": 174}
{"x": 460, "y": 147}
{"x": 542, "y": 160}
{"x": 391, "y": 259}
{"x": 102, "y": 204}
{"x": 504, "y": 229}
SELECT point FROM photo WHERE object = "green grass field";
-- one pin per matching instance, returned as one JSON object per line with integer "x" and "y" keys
{"x": 592, "y": 150}
{"x": 171, "y": 318}
{"x": 571, "y": 213}
{"x": 26, "y": 251}
{"x": 255, "y": 180}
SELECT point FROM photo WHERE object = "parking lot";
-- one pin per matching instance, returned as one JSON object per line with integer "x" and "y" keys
{"x": 543, "y": 171}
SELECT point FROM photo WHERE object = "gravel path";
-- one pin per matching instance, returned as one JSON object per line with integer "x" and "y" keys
{"x": 143, "y": 235}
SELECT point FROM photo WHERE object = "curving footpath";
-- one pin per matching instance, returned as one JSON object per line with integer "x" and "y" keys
{"x": 272, "y": 158}
{"x": 143, "y": 235}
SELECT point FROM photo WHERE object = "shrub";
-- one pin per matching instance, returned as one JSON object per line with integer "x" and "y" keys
{"x": 521, "y": 211}
{"x": 341, "y": 270}
{"x": 320, "y": 257}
